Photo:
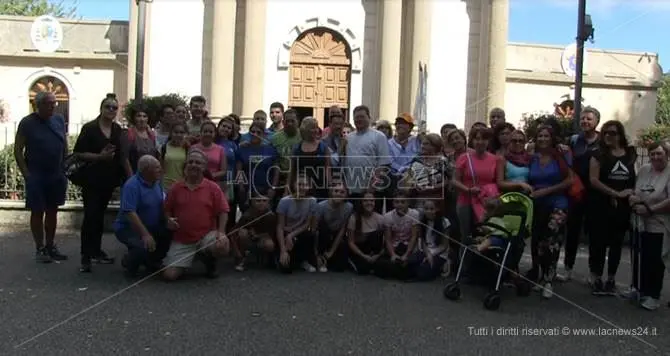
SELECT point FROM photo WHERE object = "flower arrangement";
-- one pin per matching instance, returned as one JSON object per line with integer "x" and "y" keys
{"x": 562, "y": 114}
{"x": 654, "y": 133}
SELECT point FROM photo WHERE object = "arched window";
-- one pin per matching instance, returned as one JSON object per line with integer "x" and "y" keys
{"x": 58, "y": 89}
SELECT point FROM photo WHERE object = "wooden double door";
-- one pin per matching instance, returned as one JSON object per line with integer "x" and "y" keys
{"x": 319, "y": 74}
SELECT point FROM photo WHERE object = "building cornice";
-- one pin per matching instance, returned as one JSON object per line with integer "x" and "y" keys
{"x": 609, "y": 81}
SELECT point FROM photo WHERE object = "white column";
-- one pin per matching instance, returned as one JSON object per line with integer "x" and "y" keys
{"x": 223, "y": 53}
{"x": 390, "y": 59}
{"x": 254, "y": 57}
{"x": 132, "y": 49}
{"x": 497, "y": 54}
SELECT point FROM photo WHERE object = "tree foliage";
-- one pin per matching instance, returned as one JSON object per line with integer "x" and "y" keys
{"x": 56, "y": 8}
{"x": 153, "y": 105}
{"x": 663, "y": 102}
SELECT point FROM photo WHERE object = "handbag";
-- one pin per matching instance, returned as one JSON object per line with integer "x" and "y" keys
{"x": 75, "y": 169}
{"x": 577, "y": 189}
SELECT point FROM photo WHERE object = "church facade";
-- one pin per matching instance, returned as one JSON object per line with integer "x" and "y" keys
{"x": 245, "y": 54}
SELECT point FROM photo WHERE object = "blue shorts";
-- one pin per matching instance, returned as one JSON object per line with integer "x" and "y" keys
{"x": 45, "y": 193}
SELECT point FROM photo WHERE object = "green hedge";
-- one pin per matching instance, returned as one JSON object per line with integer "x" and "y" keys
{"x": 12, "y": 186}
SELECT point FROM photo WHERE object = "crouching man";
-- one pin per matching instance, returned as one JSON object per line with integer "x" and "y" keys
{"x": 197, "y": 212}
{"x": 140, "y": 224}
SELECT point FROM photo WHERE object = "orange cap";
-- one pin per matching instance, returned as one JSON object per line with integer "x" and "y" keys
{"x": 406, "y": 118}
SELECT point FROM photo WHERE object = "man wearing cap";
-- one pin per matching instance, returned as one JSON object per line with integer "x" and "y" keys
{"x": 403, "y": 147}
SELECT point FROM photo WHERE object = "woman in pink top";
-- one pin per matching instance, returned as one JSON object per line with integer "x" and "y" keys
{"x": 216, "y": 156}
{"x": 475, "y": 179}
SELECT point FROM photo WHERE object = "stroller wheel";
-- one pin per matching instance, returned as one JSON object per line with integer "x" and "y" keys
{"x": 523, "y": 289}
{"x": 492, "y": 301}
{"x": 452, "y": 291}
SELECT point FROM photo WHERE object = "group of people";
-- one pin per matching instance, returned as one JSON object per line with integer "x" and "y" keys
{"x": 372, "y": 197}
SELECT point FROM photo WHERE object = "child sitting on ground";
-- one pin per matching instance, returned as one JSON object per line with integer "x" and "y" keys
{"x": 255, "y": 230}
{"x": 489, "y": 236}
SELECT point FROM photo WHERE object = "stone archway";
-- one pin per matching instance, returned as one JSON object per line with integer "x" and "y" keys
{"x": 55, "y": 86}
{"x": 319, "y": 73}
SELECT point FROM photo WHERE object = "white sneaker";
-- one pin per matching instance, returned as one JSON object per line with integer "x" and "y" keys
{"x": 307, "y": 267}
{"x": 650, "y": 303}
{"x": 239, "y": 267}
{"x": 323, "y": 269}
{"x": 631, "y": 294}
{"x": 548, "y": 291}
{"x": 565, "y": 277}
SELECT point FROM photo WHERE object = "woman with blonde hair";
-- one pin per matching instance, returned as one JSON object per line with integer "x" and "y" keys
{"x": 311, "y": 159}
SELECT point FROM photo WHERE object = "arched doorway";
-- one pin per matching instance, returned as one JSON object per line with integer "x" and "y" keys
{"x": 58, "y": 89}
{"x": 320, "y": 72}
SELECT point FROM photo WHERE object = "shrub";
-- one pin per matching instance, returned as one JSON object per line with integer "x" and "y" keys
{"x": 531, "y": 121}
{"x": 153, "y": 105}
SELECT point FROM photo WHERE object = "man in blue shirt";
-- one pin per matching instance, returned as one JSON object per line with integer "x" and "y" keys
{"x": 403, "y": 148}
{"x": 260, "y": 118}
{"x": 40, "y": 147}
{"x": 140, "y": 224}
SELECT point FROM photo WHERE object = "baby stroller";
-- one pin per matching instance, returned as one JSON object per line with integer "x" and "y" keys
{"x": 494, "y": 263}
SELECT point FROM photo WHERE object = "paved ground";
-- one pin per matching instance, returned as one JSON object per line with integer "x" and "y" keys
{"x": 51, "y": 309}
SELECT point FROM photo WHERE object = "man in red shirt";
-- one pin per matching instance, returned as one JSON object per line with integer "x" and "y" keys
{"x": 197, "y": 211}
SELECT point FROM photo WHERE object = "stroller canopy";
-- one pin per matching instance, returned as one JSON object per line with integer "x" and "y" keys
{"x": 518, "y": 212}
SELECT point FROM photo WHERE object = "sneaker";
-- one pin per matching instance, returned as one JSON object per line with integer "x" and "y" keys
{"x": 42, "y": 256}
{"x": 307, "y": 267}
{"x": 597, "y": 287}
{"x": 55, "y": 254}
{"x": 239, "y": 267}
{"x": 630, "y": 294}
{"x": 323, "y": 269}
{"x": 103, "y": 259}
{"x": 589, "y": 281}
{"x": 650, "y": 303}
{"x": 610, "y": 287}
{"x": 565, "y": 277}
{"x": 548, "y": 291}
{"x": 85, "y": 265}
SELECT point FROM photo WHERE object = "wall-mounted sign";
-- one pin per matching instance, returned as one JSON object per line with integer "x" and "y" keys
{"x": 569, "y": 60}
{"x": 46, "y": 34}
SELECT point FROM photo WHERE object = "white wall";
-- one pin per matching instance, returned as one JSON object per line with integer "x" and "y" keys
{"x": 448, "y": 66}
{"x": 86, "y": 89}
{"x": 175, "y": 46}
{"x": 283, "y": 16}
{"x": 635, "y": 108}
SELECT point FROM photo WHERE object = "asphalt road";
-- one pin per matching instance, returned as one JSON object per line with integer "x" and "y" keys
{"x": 53, "y": 310}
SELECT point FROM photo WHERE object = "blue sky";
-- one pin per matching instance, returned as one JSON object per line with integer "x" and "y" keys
{"x": 633, "y": 25}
